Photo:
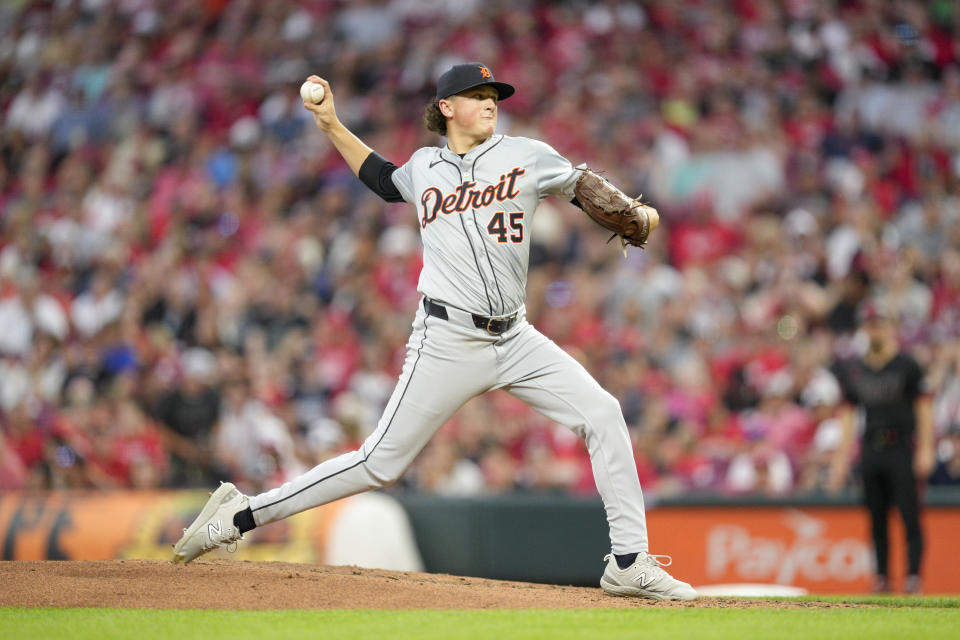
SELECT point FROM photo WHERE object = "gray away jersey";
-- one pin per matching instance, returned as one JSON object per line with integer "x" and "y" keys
{"x": 475, "y": 216}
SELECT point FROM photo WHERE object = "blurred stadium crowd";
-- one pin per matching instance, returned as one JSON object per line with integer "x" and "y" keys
{"x": 193, "y": 286}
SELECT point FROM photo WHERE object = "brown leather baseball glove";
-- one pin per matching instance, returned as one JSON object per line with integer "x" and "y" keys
{"x": 613, "y": 210}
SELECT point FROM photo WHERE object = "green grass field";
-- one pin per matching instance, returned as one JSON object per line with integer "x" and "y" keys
{"x": 929, "y": 619}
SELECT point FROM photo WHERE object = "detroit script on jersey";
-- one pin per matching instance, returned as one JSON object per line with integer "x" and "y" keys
{"x": 474, "y": 214}
{"x": 467, "y": 196}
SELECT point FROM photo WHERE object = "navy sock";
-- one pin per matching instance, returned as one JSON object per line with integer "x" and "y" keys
{"x": 626, "y": 560}
{"x": 243, "y": 520}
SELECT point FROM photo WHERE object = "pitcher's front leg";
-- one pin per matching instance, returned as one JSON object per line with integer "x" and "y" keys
{"x": 549, "y": 380}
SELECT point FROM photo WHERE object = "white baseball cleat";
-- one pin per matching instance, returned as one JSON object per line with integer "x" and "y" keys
{"x": 645, "y": 578}
{"x": 214, "y": 526}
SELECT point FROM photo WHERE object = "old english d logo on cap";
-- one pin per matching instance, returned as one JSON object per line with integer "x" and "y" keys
{"x": 467, "y": 76}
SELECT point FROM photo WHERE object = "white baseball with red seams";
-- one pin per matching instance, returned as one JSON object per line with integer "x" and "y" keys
{"x": 312, "y": 92}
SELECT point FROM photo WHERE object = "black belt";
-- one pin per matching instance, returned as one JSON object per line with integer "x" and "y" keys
{"x": 496, "y": 326}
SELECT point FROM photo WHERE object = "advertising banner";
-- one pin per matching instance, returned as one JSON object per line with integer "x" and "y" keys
{"x": 821, "y": 549}
{"x": 370, "y": 530}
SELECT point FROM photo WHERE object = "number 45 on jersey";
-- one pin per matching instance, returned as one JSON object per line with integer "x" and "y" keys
{"x": 498, "y": 228}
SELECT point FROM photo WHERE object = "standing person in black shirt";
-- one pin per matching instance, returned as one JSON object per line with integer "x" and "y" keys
{"x": 897, "y": 449}
{"x": 187, "y": 416}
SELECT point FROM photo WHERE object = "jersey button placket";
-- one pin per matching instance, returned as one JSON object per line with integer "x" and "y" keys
{"x": 466, "y": 169}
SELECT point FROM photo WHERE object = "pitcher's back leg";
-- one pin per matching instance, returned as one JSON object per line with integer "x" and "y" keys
{"x": 440, "y": 374}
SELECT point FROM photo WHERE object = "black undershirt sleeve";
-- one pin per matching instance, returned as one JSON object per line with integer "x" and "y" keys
{"x": 576, "y": 203}
{"x": 375, "y": 172}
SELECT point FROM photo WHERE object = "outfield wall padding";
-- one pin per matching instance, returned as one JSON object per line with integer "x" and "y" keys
{"x": 815, "y": 542}
{"x": 820, "y": 544}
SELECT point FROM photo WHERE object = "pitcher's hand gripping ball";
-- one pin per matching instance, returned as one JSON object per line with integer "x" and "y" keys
{"x": 613, "y": 210}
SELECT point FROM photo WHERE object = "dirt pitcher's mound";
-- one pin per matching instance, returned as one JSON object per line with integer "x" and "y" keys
{"x": 276, "y": 585}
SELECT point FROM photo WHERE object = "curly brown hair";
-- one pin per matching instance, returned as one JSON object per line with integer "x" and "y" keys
{"x": 434, "y": 120}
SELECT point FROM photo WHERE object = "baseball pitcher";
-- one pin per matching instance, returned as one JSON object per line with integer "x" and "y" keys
{"x": 475, "y": 199}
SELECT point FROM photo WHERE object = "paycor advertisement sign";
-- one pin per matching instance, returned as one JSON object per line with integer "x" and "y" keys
{"x": 824, "y": 549}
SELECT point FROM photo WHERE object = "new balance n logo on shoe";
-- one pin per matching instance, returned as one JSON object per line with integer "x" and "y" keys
{"x": 643, "y": 579}
{"x": 217, "y": 528}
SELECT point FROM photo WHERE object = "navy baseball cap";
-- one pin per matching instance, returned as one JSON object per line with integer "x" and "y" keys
{"x": 461, "y": 77}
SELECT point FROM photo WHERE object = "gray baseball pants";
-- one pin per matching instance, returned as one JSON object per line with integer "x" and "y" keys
{"x": 448, "y": 363}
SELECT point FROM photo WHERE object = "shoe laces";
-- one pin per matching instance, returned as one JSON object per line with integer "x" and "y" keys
{"x": 660, "y": 560}
{"x": 230, "y": 543}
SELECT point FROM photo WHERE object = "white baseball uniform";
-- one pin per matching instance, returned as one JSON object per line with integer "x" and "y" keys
{"x": 475, "y": 214}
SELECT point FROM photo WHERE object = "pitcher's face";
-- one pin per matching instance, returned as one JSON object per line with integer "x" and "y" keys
{"x": 473, "y": 112}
